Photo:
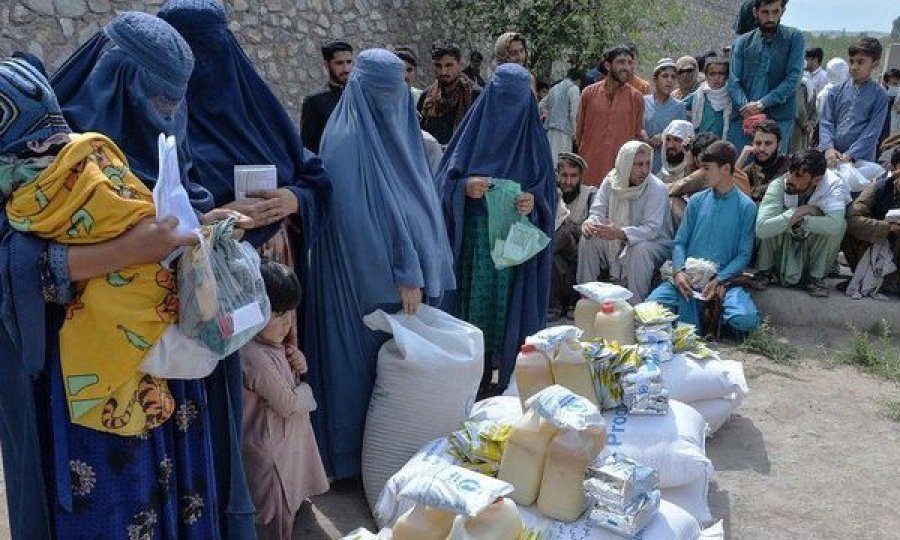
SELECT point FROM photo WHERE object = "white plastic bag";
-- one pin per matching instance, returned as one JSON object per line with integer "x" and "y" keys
{"x": 169, "y": 196}
{"x": 600, "y": 292}
{"x": 176, "y": 356}
{"x": 455, "y": 490}
{"x": 691, "y": 380}
{"x": 670, "y": 523}
{"x": 565, "y": 409}
{"x": 501, "y": 409}
{"x": 425, "y": 385}
{"x": 857, "y": 177}
{"x": 673, "y": 444}
{"x": 548, "y": 340}
{"x": 692, "y": 498}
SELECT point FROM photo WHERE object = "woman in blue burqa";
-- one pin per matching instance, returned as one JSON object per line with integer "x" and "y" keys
{"x": 384, "y": 247}
{"x": 500, "y": 137}
{"x": 68, "y": 481}
{"x": 235, "y": 119}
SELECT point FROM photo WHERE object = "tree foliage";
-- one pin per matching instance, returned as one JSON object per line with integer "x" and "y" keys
{"x": 573, "y": 30}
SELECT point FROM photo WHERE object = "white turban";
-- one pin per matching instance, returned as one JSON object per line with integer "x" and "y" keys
{"x": 682, "y": 129}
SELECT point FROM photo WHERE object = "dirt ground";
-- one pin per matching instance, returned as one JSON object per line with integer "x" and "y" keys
{"x": 807, "y": 456}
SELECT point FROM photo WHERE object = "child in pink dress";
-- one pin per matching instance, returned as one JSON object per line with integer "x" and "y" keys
{"x": 279, "y": 449}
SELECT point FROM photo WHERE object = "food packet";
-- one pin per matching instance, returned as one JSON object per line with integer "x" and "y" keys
{"x": 619, "y": 482}
{"x": 549, "y": 339}
{"x": 609, "y": 362}
{"x": 565, "y": 409}
{"x": 456, "y": 490}
{"x": 652, "y": 314}
{"x": 600, "y": 292}
{"x": 643, "y": 391}
{"x": 631, "y": 522}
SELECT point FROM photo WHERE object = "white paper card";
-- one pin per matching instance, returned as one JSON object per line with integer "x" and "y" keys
{"x": 247, "y": 317}
{"x": 249, "y": 178}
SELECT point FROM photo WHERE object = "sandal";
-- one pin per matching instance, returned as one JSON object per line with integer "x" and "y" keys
{"x": 817, "y": 288}
{"x": 763, "y": 280}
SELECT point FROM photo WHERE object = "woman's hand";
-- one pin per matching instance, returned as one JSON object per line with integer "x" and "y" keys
{"x": 411, "y": 300}
{"x": 525, "y": 203}
{"x": 267, "y": 206}
{"x": 221, "y": 214}
{"x": 477, "y": 186}
{"x": 151, "y": 241}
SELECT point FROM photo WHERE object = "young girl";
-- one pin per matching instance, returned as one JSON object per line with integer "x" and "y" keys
{"x": 279, "y": 449}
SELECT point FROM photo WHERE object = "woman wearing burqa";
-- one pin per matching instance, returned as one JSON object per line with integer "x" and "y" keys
{"x": 384, "y": 247}
{"x": 159, "y": 484}
{"x": 501, "y": 137}
{"x": 235, "y": 119}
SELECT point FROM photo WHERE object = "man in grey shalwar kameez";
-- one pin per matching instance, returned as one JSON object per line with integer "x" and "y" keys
{"x": 629, "y": 232}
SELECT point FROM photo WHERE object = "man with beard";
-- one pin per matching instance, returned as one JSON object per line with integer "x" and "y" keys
{"x": 765, "y": 162}
{"x": 577, "y": 199}
{"x": 629, "y": 232}
{"x": 473, "y": 71}
{"x": 610, "y": 114}
{"x": 660, "y": 108}
{"x": 766, "y": 67}
{"x": 639, "y": 84}
{"x": 800, "y": 225}
{"x": 444, "y": 104}
{"x": 688, "y": 77}
{"x": 676, "y": 137}
{"x": 338, "y": 57}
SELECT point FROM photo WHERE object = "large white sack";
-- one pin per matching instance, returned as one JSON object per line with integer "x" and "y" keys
{"x": 690, "y": 380}
{"x": 717, "y": 411}
{"x": 674, "y": 443}
{"x": 390, "y": 506}
{"x": 671, "y": 523}
{"x": 425, "y": 385}
{"x": 692, "y": 498}
{"x": 499, "y": 409}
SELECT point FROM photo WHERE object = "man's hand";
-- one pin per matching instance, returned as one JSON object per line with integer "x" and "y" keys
{"x": 683, "y": 284}
{"x": 590, "y": 228}
{"x": 745, "y": 155}
{"x": 525, "y": 203}
{"x": 751, "y": 108}
{"x": 477, "y": 186}
{"x": 411, "y": 299}
{"x": 151, "y": 241}
{"x": 802, "y": 212}
{"x": 656, "y": 141}
{"x": 710, "y": 289}
{"x": 296, "y": 359}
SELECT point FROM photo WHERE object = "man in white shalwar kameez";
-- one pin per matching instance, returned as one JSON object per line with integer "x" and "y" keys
{"x": 629, "y": 232}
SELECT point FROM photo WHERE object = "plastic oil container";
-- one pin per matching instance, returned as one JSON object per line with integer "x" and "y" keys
{"x": 615, "y": 322}
{"x": 499, "y": 521}
{"x": 571, "y": 370}
{"x": 522, "y": 464}
{"x": 424, "y": 523}
{"x": 568, "y": 457}
{"x": 585, "y": 315}
{"x": 533, "y": 372}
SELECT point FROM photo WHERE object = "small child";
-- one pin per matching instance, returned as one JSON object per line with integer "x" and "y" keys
{"x": 854, "y": 112}
{"x": 279, "y": 448}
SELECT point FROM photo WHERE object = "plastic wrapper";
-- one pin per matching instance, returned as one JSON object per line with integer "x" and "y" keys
{"x": 609, "y": 362}
{"x": 652, "y": 314}
{"x": 479, "y": 445}
{"x": 631, "y": 522}
{"x": 699, "y": 271}
{"x": 565, "y": 409}
{"x": 618, "y": 482}
{"x": 600, "y": 292}
{"x": 549, "y": 339}
{"x": 223, "y": 299}
{"x": 644, "y": 392}
{"x": 456, "y": 490}
{"x": 655, "y": 342}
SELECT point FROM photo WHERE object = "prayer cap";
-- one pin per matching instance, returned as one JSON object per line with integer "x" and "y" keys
{"x": 407, "y": 55}
{"x": 29, "y": 111}
{"x": 682, "y": 129}
{"x": 664, "y": 63}
{"x": 685, "y": 63}
{"x": 574, "y": 159}
{"x": 157, "y": 48}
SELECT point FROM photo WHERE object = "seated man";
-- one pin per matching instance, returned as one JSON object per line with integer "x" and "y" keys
{"x": 576, "y": 200}
{"x": 629, "y": 232}
{"x": 676, "y": 140}
{"x": 761, "y": 161}
{"x": 801, "y": 224}
{"x": 718, "y": 226}
{"x": 681, "y": 190}
{"x": 867, "y": 228}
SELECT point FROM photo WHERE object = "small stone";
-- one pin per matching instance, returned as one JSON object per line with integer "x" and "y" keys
{"x": 234, "y": 25}
{"x": 323, "y": 21}
{"x": 375, "y": 15}
{"x": 68, "y": 28}
{"x": 20, "y": 15}
{"x": 265, "y": 53}
{"x": 240, "y": 5}
{"x": 272, "y": 70}
{"x": 99, "y": 6}
{"x": 44, "y": 7}
{"x": 71, "y": 8}
{"x": 337, "y": 5}
{"x": 274, "y": 5}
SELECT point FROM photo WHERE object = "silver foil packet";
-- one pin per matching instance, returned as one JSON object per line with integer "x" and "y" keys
{"x": 630, "y": 523}
{"x": 618, "y": 481}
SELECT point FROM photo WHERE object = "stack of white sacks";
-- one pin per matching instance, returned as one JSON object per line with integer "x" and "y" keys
{"x": 702, "y": 393}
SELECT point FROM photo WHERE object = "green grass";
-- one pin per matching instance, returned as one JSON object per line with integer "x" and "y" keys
{"x": 890, "y": 408}
{"x": 874, "y": 352}
{"x": 765, "y": 342}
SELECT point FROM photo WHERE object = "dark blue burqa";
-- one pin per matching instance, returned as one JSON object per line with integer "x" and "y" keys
{"x": 502, "y": 137}
{"x": 385, "y": 232}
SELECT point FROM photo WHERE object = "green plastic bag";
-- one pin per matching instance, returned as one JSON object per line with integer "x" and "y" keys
{"x": 513, "y": 238}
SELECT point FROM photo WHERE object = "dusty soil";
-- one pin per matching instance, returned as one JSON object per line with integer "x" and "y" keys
{"x": 808, "y": 455}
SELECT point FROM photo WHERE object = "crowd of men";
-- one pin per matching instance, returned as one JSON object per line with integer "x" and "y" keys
{"x": 791, "y": 122}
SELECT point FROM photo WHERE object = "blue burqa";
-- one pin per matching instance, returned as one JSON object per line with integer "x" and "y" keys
{"x": 129, "y": 82}
{"x": 502, "y": 137}
{"x": 385, "y": 232}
